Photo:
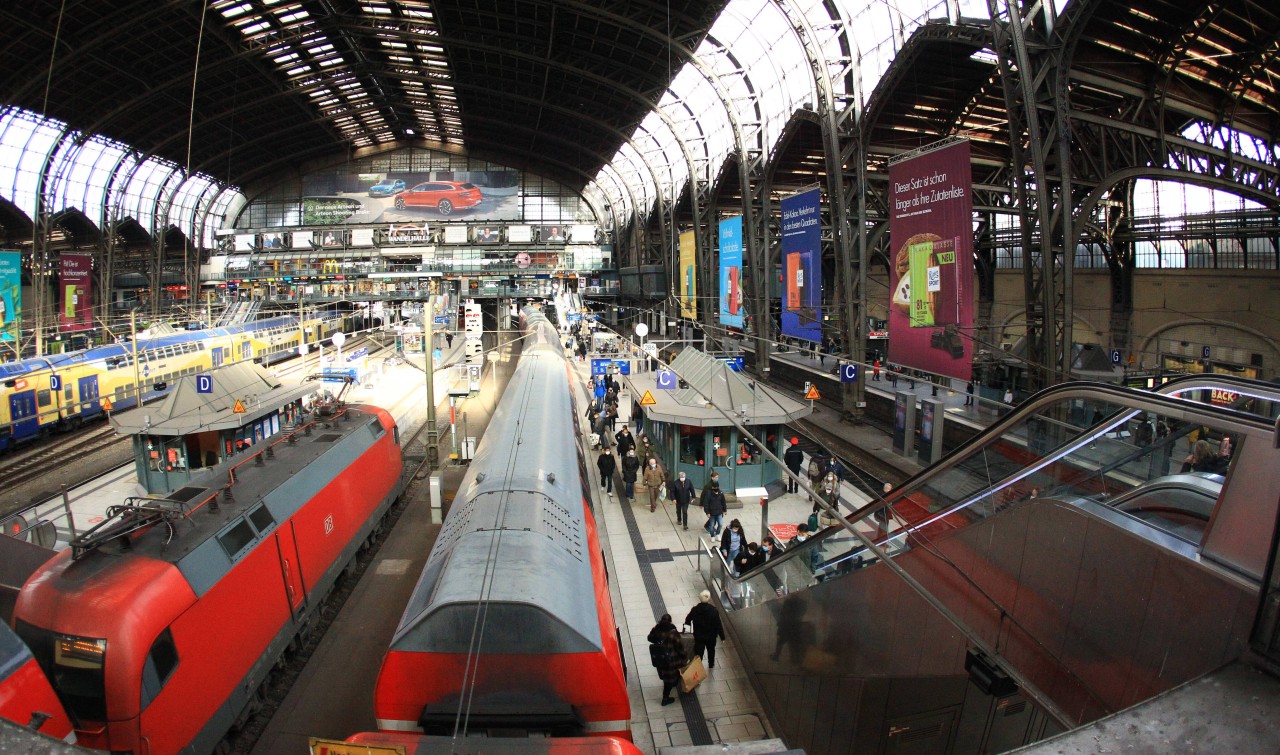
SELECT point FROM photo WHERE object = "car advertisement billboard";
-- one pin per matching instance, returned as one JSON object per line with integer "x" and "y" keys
{"x": 801, "y": 266}
{"x": 731, "y": 298}
{"x": 76, "y": 282}
{"x": 10, "y": 294}
{"x": 687, "y": 277}
{"x": 411, "y": 197}
{"x": 931, "y": 275}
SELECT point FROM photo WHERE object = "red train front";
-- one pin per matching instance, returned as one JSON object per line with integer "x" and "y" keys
{"x": 158, "y": 633}
{"x": 510, "y": 628}
{"x": 25, "y": 695}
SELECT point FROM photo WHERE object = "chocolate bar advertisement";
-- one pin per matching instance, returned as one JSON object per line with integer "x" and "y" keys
{"x": 931, "y": 270}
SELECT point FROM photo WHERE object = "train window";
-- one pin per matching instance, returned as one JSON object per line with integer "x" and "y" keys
{"x": 262, "y": 519}
{"x": 236, "y": 539}
{"x": 66, "y": 392}
{"x": 42, "y": 397}
{"x": 375, "y": 427}
{"x": 74, "y": 667}
{"x": 161, "y": 662}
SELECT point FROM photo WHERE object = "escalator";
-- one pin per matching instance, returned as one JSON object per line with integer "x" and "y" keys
{"x": 1058, "y": 567}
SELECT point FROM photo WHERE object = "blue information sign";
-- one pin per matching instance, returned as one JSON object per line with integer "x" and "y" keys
{"x": 667, "y": 380}
{"x": 848, "y": 373}
{"x": 204, "y": 383}
{"x": 1115, "y": 356}
{"x": 599, "y": 366}
{"x": 55, "y": 382}
{"x": 735, "y": 363}
{"x": 1204, "y": 353}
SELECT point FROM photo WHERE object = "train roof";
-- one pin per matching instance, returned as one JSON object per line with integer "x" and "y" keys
{"x": 513, "y": 552}
{"x": 204, "y": 541}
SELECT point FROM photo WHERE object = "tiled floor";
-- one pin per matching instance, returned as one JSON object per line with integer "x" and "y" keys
{"x": 654, "y": 567}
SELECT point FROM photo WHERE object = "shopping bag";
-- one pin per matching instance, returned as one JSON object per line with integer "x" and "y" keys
{"x": 692, "y": 675}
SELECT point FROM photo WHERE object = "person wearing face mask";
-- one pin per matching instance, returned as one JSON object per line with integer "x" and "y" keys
{"x": 682, "y": 494}
{"x": 713, "y": 503}
{"x": 630, "y": 466}
{"x": 654, "y": 479}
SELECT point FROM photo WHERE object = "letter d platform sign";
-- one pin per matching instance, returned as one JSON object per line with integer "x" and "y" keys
{"x": 204, "y": 383}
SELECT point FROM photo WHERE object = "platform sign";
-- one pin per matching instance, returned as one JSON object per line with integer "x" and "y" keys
{"x": 600, "y": 366}
{"x": 238, "y": 408}
{"x": 647, "y": 399}
{"x": 812, "y": 394}
{"x": 667, "y": 380}
{"x": 204, "y": 383}
{"x": 359, "y": 353}
{"x": 1204, "y": 353}
{"x": 735, "y": 363}
{"x": 106, "y": 405}
{"x": 1115, "y": 356}
{"x": 55, "y": 382}
{"x": 848, "y": 373}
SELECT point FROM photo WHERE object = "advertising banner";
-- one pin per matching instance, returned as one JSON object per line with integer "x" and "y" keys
{"x": 687, "y": 277}
{"x": 10, "y": 294}
{"x": 486, "y": 193}
{"x": 931, "y": 275}
{"x": 76, "y": 278}
{"x": 802, "y": 266}
{"x": 731, "y": 314}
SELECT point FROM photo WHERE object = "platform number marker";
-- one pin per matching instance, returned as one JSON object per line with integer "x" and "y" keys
{"x": 204, "y": 383}
{"x": 666, "y": 380}
{"x": 848, "y": 373}
{"x": 55, "y": 382}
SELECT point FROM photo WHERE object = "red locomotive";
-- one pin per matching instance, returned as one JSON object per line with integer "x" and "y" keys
{"x": 158, "y": 626}
{"x": 510, "y": 628}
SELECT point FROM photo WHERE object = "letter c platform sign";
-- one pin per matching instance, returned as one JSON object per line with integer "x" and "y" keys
{"x": 848, "y": 373}
{"x": 204, "y": 383}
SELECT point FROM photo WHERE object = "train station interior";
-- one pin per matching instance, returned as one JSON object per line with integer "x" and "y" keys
{"x": 969, "y": 310}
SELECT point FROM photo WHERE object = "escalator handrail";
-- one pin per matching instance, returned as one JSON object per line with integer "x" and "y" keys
{"x": 1258, "y": 388}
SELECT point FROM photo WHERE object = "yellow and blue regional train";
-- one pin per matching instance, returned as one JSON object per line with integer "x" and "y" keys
{"x": 42, "y": 395}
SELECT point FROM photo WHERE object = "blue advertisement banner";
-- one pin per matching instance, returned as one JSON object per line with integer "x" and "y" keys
{"x": 731, "y": 314}
{"x": 801, "y": 266}
{"x": 10, "y": 293}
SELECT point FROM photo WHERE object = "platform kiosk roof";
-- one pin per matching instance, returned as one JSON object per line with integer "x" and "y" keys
{"x": 712, "y": 383}
{"x": 185, "y": 410}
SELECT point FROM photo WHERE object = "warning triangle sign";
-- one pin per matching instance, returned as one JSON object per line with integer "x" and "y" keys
{"x": 238, "y": 408}
{"x": 106, "y": 405}
{"x": 647, "y": 399}
{"x": 813, "y": 394}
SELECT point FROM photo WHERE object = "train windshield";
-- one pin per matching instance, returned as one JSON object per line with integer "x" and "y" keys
{"x": 74, "y": 666}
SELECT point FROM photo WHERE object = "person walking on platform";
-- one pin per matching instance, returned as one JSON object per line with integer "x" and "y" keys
{"x": 660, "y": 630}
{"x": 448, "y": 340}
{"x": 626, "y": 441}
{"x": 607, "y": 465}
{"x": 630, "y": 466}
{"x": 682, "y": 494}
{"x": 875, "y": 370}
{"x": 707, "y": 628}
{"x": 968, "y": 399}
{"x": 815, "y": 472}
{"x": 654, "y": 478}
{"x": 668, "y": 657}
{"x": 713, "y": 504}
{"x": 794, "y": 459}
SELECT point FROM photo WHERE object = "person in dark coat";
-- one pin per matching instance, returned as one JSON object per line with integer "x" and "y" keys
{"x": 714, "y": 504}
{"x": 607, "y": 465}
{"x": 682, "y": 494}
{"x": 707, "y": 628}
{"x": 670, "y": 662}
{"x": 626, "y": 441}
{"x": 794, "y": 459}
{"x": 630, "y": 465}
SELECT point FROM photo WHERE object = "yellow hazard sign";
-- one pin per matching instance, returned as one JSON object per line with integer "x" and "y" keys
{"x": 106, "y": 405}
{"x": 238, "y": 408}
{"x": 647, "y": 399}
{"x": 813, "y": 394}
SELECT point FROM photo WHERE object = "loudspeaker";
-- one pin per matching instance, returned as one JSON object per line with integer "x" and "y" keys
{"x": 987, "y": 676}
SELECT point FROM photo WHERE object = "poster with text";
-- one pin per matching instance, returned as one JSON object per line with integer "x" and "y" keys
{"x": 731, "y": 297}
{"x": 931, "y": 270}
{"x": 76, "y": 276}
{"x": 10, "y": 293}
{"x": 802, "y": 266}
{"x": 687, "y": 277}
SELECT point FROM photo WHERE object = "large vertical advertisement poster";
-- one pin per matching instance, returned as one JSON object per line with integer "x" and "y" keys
{"x": 931, "y": 278}
{"x": 77, "y": 303}
{"x": 10, "y": 294}
{"x": 731, "y": 314}
{"x": 802, "y": 266}
{"x": 687, "y": 277}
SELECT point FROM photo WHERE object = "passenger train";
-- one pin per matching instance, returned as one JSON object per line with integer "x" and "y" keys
{"x": 25, "y": 695}
{"x": 30, "y": 406}
{"x": 510, "y": 628}
{"x": 158, "y": 626}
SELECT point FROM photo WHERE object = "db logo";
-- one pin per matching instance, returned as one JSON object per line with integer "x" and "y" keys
{"x": 328, "y": 524}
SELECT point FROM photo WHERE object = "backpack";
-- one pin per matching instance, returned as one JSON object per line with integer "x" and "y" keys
{"x": 814, "y": 469}
{"x": 813, "y": 523}
{"x": 657, "y": 654}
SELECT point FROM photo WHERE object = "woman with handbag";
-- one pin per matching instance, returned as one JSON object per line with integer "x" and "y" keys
{"x": 672, "y": 662}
